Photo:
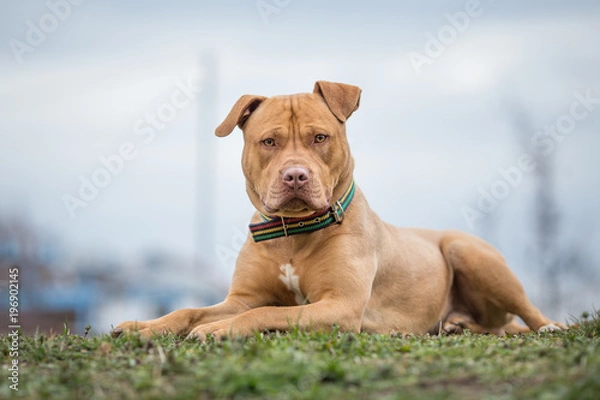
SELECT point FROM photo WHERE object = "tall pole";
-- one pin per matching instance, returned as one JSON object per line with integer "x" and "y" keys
{"x": 546, "y": 224}
{"x": 205, "y": 163}
{"x": 546, "y": 216}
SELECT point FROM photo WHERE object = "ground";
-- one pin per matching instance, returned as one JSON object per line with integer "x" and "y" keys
{"x": 299, "y": 365}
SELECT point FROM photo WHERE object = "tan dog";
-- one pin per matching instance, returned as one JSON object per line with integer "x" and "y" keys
{"x": 323, "y": 257}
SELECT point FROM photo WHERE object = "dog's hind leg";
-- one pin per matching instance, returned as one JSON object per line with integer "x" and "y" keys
{"x": 486, "y": 289}
{"x": 515, "y": 328}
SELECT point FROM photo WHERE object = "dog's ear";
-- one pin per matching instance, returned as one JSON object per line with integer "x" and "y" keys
{"x": 342, "y": 99}
{"x": 239, "y": 114}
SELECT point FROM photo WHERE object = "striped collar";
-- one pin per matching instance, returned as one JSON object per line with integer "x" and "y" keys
{"x": 276, "y": 227}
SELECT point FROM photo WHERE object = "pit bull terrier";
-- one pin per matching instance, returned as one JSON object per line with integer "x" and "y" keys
{"x": 318, "y": 256}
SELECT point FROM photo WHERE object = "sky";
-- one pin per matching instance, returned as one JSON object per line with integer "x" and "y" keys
{"x": 441, "y": 80}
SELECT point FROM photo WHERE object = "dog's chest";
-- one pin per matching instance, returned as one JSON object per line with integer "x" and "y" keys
{"x": 292, "y": 282}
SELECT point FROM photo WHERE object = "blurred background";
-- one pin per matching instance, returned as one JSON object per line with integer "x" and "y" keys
{"x": 118, "y": 202}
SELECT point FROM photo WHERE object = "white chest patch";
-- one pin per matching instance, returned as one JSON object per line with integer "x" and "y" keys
{"x": 292, "y": 282}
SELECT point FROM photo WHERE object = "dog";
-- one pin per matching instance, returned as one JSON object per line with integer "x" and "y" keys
{"x": 317, "y": 256}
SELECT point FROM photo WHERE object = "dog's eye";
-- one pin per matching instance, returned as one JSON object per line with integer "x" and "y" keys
{"x": 270, "y": 142}
{"x": 320, "y": 138}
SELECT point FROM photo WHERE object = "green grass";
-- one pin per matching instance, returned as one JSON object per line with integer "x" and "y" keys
{"x": 299, "y": 365}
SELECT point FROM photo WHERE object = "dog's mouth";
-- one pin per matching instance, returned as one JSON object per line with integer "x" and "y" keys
{"x": 295, "y": 205}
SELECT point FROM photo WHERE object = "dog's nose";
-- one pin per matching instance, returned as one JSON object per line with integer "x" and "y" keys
{"x": 295, "y": 177}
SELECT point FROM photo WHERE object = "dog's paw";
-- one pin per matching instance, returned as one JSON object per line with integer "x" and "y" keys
{"x": 198, "y": 336}
{"x": 553, "y": 327}
{"x": 201, "y": 332}
{"x": 144, "y": 329}
{"x": 450, "y": 328}
{"x": 127, "y": 327}
{"x": 218, "y": 330}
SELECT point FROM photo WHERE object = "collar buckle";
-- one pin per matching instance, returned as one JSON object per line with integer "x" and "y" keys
{"x": 338, "y": 212}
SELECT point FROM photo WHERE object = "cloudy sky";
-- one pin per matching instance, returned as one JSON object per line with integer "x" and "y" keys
{"x": 442, "y": 83}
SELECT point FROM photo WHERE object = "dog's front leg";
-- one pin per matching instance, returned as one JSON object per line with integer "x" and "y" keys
{"x": 181, "y": 322}
{"x": 320, "y": 316}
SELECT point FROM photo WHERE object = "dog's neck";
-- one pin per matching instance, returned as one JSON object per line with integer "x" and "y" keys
{"x": 273, "y": 227}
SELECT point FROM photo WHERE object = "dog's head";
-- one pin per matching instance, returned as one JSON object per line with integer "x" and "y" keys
{"x": 296, "y": 156}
